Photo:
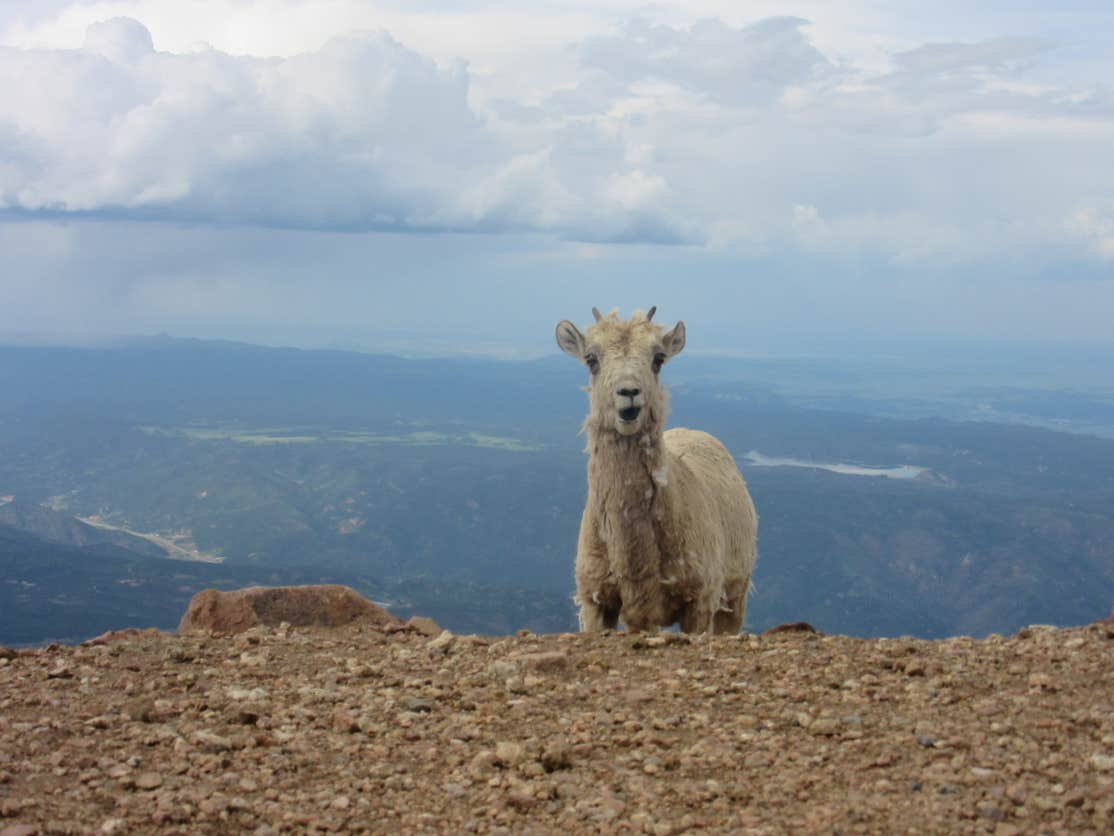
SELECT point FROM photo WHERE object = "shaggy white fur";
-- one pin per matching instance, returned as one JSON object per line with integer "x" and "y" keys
{"x": 669, "y": 532}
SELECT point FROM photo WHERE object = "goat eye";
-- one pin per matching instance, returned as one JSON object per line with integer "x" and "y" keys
{"x": 593, "y": 362}
{"x": 659, "y": 360}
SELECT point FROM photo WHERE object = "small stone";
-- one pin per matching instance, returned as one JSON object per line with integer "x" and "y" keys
{"x": 418, "y": 704}
{"x": 179, "y": 655}
{"x": 483, "y": 762}
{"x": 825, "y": 726}
{"x": 556, "y": 755}
{"x": 141, "y": 710}
{"x": 255, "y": 695}
{"x": 443, "y": 642}
{"x": 110, "y": 826}
{"x": 425, "y": 626}
{"x": 991, "y": 811}
{"x": 246, "y": 716}
{"x": 1103, "y": 763}
{"x": 212, "y": 741}
{"x": 344, "y": 722}
{"x": 503, "y": 669}
{"x": 508, "y": 753}
{"x": 521, "y": 799}
{"x": 148, "y": 781}
{"x": 792, "y": 627}
{"x": 549, "y": 661}
{"x": 1041, "y": 681}
{"x": 341, "y": 802}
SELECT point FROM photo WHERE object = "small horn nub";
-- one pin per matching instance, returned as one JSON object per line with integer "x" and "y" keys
{"x": 650, "y": 313}
{"x": 596, "y": 313}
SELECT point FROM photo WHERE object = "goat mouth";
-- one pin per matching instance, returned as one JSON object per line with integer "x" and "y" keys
{"x": 630, "y": 414}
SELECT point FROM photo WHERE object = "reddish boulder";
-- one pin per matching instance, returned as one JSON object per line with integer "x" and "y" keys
{"x": 325, "y": 605}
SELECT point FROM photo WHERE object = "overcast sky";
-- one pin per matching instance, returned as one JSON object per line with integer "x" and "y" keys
{"x": 461, "y": 175}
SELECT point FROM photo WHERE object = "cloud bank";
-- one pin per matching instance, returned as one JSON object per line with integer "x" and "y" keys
{"x": 746, "y": 138}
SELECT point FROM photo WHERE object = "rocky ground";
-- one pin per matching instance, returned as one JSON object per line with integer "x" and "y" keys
{"x": 382, "y": 729}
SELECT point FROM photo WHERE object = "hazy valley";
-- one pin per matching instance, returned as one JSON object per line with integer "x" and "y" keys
{"x": 454, "y": 487}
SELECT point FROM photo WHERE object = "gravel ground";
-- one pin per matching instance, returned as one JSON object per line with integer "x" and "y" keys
{"x": 380, "y": 730}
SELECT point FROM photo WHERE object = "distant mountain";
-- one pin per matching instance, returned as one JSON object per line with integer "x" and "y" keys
{"x": 456, "y": 487}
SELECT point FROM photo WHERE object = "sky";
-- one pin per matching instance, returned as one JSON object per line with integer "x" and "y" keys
{"x": 433, "y": 177}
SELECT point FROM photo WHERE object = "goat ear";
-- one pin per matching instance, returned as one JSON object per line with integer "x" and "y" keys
{"x": 675, "y": 340}
{"x": 570, "y": 339}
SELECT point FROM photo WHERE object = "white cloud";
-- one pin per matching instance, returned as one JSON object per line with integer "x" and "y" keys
{"x": 750, "y": 65}
{"x": 360, "y": 134}
{"x": 672, "y": 129}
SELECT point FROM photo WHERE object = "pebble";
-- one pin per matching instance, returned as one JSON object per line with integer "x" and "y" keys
{"x": 548, "y": 661}
{"x": 425, "y": 626}
{"x": 508, "y": 753}
{"x": 148, "y": 780}
{"x": 1103, "y": 763}
{"x": 212, "y": 741}
{"x": 825, "y": 726}
{"x": 521, "y": 799}
{"x": 443, "y": 642}
{"x": 503, "y": 669}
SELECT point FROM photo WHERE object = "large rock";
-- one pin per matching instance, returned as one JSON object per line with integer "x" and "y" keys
{"x": 325, "y": 605}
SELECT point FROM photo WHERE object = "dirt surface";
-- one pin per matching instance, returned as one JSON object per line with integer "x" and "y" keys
{"x": 365, "y": 729}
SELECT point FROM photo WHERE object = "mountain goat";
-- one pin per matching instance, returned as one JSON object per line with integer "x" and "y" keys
{"x": 669, "y": 532}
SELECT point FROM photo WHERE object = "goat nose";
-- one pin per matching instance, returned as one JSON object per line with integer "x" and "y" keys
{"x": 629, "y": 393}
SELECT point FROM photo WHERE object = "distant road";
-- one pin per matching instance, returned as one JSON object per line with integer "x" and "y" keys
{"x": 173, "y": 550}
